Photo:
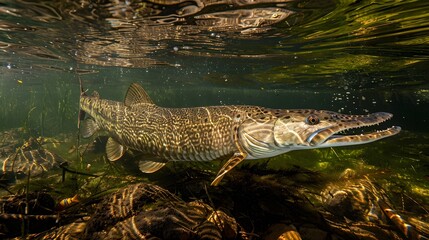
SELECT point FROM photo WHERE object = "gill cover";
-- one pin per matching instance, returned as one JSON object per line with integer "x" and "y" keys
{"x": 256, "y": 136}
{"x": 289, "y": 133}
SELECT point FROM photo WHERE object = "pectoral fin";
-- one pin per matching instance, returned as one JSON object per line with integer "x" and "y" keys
{"x": 150, "y": 166}
{"x": 230, "y": 164}
{"x": 114, "y": 150}
{"x": 88, "y": 127}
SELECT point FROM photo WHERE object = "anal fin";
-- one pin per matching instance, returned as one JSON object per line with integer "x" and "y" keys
{"x": 150, "y": 166}
{"x": 114, "y": 150}
{"x": 88, "y": 127}
{"x": 230, "y": 164}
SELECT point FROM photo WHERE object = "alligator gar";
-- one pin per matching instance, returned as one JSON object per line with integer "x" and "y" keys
{"x": 207, "y": 133}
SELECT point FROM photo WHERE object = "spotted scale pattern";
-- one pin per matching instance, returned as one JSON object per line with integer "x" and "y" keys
{"x": 207, "y": 133}
{"x": 173, "y": 134}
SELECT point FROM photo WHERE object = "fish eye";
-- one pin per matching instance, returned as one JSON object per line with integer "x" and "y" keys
{"x": 312, "y": 120}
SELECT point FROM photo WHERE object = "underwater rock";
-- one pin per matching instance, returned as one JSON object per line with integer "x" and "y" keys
{"x": 146, "y": 210}
{"x": 34, "y": 162}
{"x": 282, "y": 231}
{"x": 72, "y": 231}
{"x": 420, "y": 225}
{"x": 140, "y": 211}
{"x": 269, "y": 204}
{"x": 364, "y": 207}
{"x": 363, "y": 230}
{"x": 26, "y": 214}
{"x": 127, "y": 202}
{"x": 353, "y": 208}
{"x": 311, "y": 232}
{"x": 23, "y": 158}
{"x": 355, "y": 201}
{"x": 194, "y": 220}
{"x": 10, "y": 140}
{"x": 267, "y": 197}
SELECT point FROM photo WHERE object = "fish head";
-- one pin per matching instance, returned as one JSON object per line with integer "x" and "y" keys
{"x": 307, "y": 129}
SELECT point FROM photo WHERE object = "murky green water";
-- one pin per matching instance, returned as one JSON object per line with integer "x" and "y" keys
{"x": 346, "y": 56}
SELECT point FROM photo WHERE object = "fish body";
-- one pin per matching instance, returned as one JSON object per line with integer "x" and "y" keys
{"x": 176, "y": 136}
{"x": 208, "y": 133}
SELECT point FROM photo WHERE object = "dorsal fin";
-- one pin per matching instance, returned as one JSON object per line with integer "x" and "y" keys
{"x": 136, "y": 94}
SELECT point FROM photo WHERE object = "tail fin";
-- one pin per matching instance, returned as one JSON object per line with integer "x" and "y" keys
{"x": 82, "y": 92}
{"x": 81, "y": 115}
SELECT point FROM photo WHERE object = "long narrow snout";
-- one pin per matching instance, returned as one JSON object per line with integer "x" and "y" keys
{"x": 330, "y": 137}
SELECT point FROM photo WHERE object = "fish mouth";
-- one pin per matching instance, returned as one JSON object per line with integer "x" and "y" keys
{"x": 330, "y": 137}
